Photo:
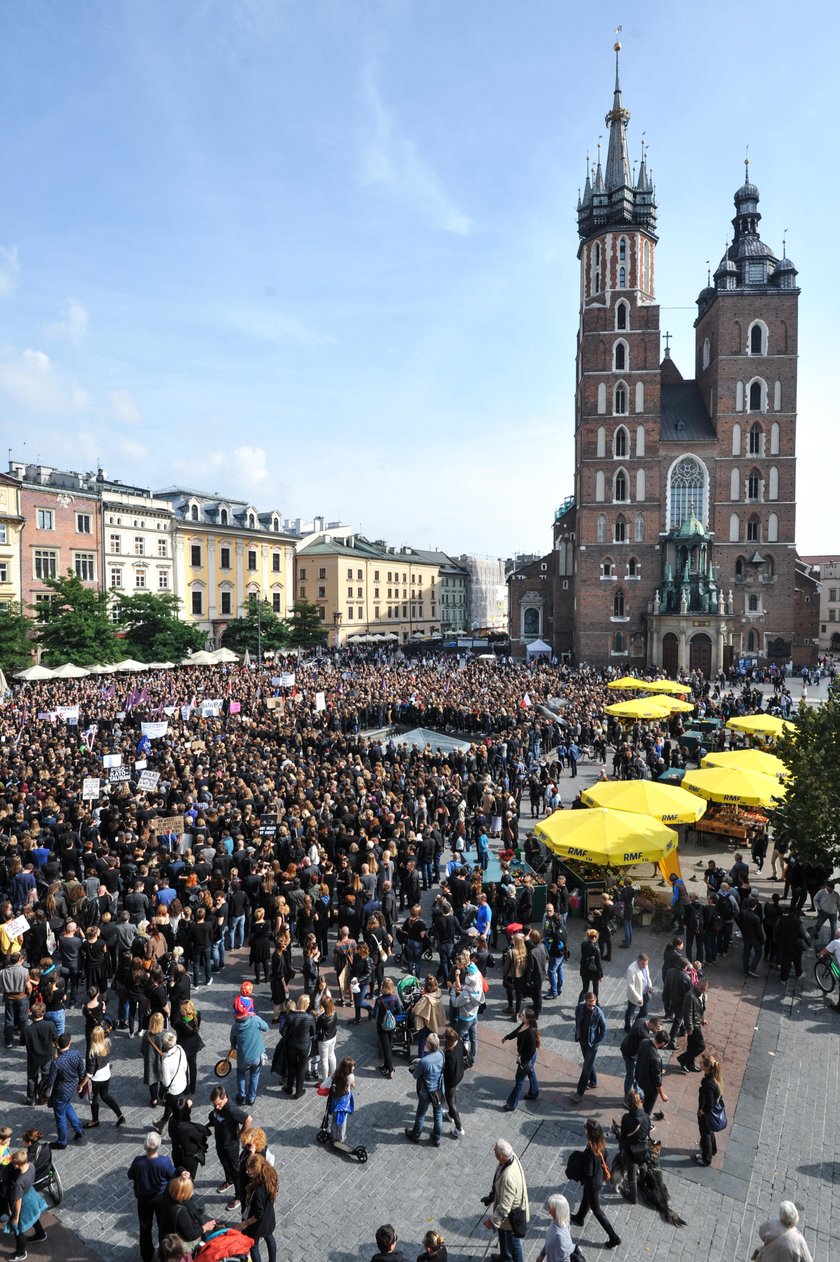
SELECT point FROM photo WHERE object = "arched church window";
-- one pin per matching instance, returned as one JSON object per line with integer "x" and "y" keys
{"x": 754, "y": 485}
{"x": 620, "y": 535}
{"x": 618, "y": 604}
{"x": 639, "y": 532}
{"x": 621, "y": 441}
{"x": 687, "y": 489}
{"x": 756, "y": 396}
{"x": 622, "y": 278}
{"x": 753, "y": 530}
{"x": 622, "y": 320}
{"x": 601, "y": 530}
{"x": 622, "y": 250}
{"x": 620, "y": 357}
{"x": 620, "y": 493}
{"x": 756, "y": 434}
{"x": 620, "y": 408}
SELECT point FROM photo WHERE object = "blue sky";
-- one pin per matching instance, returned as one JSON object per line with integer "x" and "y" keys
{"x": 323, "y": 255}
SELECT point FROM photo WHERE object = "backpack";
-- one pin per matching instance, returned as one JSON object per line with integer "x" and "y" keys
{"x": 389, "y": 1021}
{"x": 574, "y": 1166}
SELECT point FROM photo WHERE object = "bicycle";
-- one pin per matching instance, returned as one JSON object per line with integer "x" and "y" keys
{"x": 826, "y": 973}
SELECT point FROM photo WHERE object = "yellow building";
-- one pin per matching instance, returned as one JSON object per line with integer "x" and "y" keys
{"x": 11, "y": 524}
{"x": 364, "y": 589}
{"x": 227, "y": 554}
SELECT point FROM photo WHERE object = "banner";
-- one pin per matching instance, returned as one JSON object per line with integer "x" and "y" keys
{"x": 68, "y": 713}
{"x": 154, "y": 730}
{"x": 320, "y": 701}
{"x": 170, "y": 711}
{"x": 111, "y": 760}
{"x": 119, "y": 774}
{"x": 140, "y": 764}
{"x": 235, "y": 707}
{"x": 166, "y": 825}
{"x": 186, "y": 711}
{"x": 210, "y": 709}
{"x": 90, "y": 788}
{"x": 287, "y": 679}
{"x": 268, "y": 825}
{"x": 148, "y": 781}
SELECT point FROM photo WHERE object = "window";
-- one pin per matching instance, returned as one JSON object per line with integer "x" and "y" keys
{"x": 195, "y": 554}
{"x": 322, "y": 593}
{"x": 301, "y": 591}
{"x": 359, "y": 576}
{"x": 756, "y": 435}
{"x": 276, "y": 597}
{"x": 322, "y": 613}
{"x": 194, "y": 514}
{"x": 3, "y": 533}
{"x": 139, "y": 546}
{"x": 252, "y": 522}
{"x": 275, "y": 562}
{"x": 622, "y": 278}
{"x": 620, "y": 357}
{"x": 224, "y": 557}
{"x": 84, "y": 525}
{"x": 618, "y": 642}
{"x": 223, "y": 517}
{"x": 707, "y": 352}
{"x": 225, "y": 603}
{"x": 622, "y": 320}
{"x": 606, "y": 568}
{"x": 772, "y": 528}
{"x": 632, "y": 568}
{"x": 349, "y": 613}
{"x": 252, "y": 559}
{"x": 620, "y": 535}
{"x": 46, "y": 563}
{"x": 639, "y": 532}
{"x": 734, "y": 528}
{"x": 163, "y": 580}
{"x": 197, "y": 602}
{"x": 140, "y": 578}
{"x": 601, "y": 531}
{"x": 621, "y": 442}
{"x": 531, "y": 622}
{"x": 45, "y": 518}
{"x": 752, "y": 642}
{"x": 349, "y": 593}
{"x": 753, "y": 530}
{"x": 622, "y": 250}
{"x": 360, "y": 614}
{"x": 753, "y": 485}
{"x": 752, "y": 601}
{"x": 275, "y": 525}
{"x": 757, "y": 332}
{"x": 163, "y": 548}
{"x": 618, "y": 604}
{"x": 349, "y": 575}
{"x": 358, "y": 593}
{"x": 85, "y": 566}
{"x": 116, "y": 545}
{"x": 739, "y": 568}
{"x": 302, "y": 574}
{"x": 686, "y": 490}
{"x": 620, "y": 408}
{"x": 4, "y": 572}
{"x": 322, "y": 573}
{"x": 376, "y": 576}
{"x": 620, "y": 492}
{"x": 376, "y": 615}
{"x": 116, "y": 578}
{"x": 756, "y": 396}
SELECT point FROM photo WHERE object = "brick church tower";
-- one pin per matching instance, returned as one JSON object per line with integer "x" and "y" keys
{"x": 684, "y": 489}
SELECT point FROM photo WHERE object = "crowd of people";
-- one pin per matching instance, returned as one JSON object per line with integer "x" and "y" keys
{"x": 283, "y": 822}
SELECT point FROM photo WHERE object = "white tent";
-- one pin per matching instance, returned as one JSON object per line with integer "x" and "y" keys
{"x": 35, "y": 672}
{"x": 423, "y": 736}
{"x": 224, "y": 655}
{"x": 69, "y": 671}
{"x": 201, "y": 658}
{"x": 131, "y": 665}
{"x": 538, "y": 648}
{"x": 161, "y": 665}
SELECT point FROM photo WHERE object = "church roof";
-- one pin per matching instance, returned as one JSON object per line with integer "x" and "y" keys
{"x": 683, "y": 415}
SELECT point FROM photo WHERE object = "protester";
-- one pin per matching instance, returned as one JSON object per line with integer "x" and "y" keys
{"x": 595, "y": 1174}
{"x": 508, "y": 1202}
{"x": 150, "y": 1175}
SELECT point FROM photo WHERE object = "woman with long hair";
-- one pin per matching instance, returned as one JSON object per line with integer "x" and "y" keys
{"x": 326, "y": 1033}
{"x": 186, "y": 1027}
{"x": 311, "y": 965}
{"x": 591, "y": 968}
{"x": 259, "y": 942}
{"x": 387, "y": 1002}
{"x": 361, "y": 976}
{"x": 428, "y": 1014}
{"x": 151, "y": 1048}
{"x": 342, "y": 1098}
{"x": 527, "y": 1037}
{"x": 595, "y": 1173}
{"x": 99, "y": 1072}
{"x": 376, "y": 938}
{"x": 189, "y": 1139}
{"x": 711, "y": 1090}
{"x": 261, "y": 1193}
{"x": 514, "y": 962}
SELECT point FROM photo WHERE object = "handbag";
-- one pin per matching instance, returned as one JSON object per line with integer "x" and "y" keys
{"x": 716, "y": 1118}
{"x": 518, "y": 1222}
{"x": 574, "y": 1166}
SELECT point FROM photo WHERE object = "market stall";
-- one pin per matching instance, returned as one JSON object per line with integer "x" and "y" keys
{"x": 738, "y": 800}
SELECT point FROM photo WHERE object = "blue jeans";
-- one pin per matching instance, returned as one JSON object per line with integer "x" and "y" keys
{"x": 271, "y": 1249}
{"x": 588, "y": 1077}
{"x": 629, "y": 1071}
{"x": 528, "y": 1072}
{"x": 428, "y": 873}
{"x": 413, "y": 952}
{"x": 822, "y": 917}
{"x": 14, "y": 1018}
{"x": 424, "y": 1103}
{"x": 359, "y": 999}
{"x": 218, "y": 954}
{"x": 710, "y": 942}
{"x": 57, "y": 1019}
{"x": 445, "y": 952}
{"x": 628, "y": 932}
{"x": 468, "y": 1031}
{"x": 236, "y": 932}
{"x": 63, "y": 1113}
{"x": 555, "y": 975}
{"x": 510, "y": 1246}
{"x": 248, "y": 1081}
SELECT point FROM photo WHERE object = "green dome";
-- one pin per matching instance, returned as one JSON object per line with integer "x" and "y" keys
{"x": 692, "y": 528}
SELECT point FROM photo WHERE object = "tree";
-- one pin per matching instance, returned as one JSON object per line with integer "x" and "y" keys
{"x": 153, "y": 630}
{"x": 74, "y": 625}
{"x": 15, "y": 644}
{"x": 305, "y": 626}
{"x": 259, "y": 629}
{"x": 809, "y": 817}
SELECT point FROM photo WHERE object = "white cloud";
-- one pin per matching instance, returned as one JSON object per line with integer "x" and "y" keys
{"x": 123, "y": 408}
{"x": 9, "y": 270}
{"x": 273, "y": 326}
{"x": 245, "y": 466}
{"x": 72, "y": 324}
{"x": 31, "y": 381}
{"x": 392, "y": 161}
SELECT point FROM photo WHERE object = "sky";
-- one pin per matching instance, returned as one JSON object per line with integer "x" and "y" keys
{"x": 322, "y": 255}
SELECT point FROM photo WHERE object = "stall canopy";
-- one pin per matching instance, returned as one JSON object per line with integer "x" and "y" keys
{"x": 35, "y": 672}
{"x": 538, "y": 648}
{"x": 762, "y": 725}
{"x": 440, "y": 741}
{"x": 665, "y": 802}
{"x": 732, "y": 785}
{"x": 749, "y": 760}
{"x": 69, "y": 671}
{"x": 608, "y": 838}
{"x": 640, "y": 708}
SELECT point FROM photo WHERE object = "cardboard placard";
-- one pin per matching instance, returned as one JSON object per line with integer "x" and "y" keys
{"x": 166, "y": 824}
{"x": 111, "y": 760}
{"x": 91, "y": 788}
{"x": 16, "y": 928}
{"x": 148, "y": 781}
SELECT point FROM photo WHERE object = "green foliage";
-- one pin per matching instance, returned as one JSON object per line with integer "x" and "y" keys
{"x": 153, "y": 630}
{"x": 809, "y": 818}
{"x": 74, "y": 625}
{"x": 259, "y": 629}
{"x": 15, "y": 643}
{"x": 305, "y": 627}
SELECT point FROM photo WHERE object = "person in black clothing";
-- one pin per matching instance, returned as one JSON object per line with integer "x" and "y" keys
{"x": 189, "y": 1140}
{"x": 150, "y": 1175}
{"x": 228, "y": 1122}
{"x": 752, "y": 932}
{"x": 186, "y": 1024}
{"x": 591, "y": 970}
{"x": 642, "y": 1028}
{"x": 445, "y": 931}
{"x": 386, "y": 1245}
{"x": 694, "y": 1018}
{"x": 299, "y": 1033}
{"x": 259, "y": 1219}
{"x": 711, "y": 1090}
{"x": 677, "y": 986}
{"x": 595, "y": 1172}
{"x": 177, "y": 1213}
{"x": 770, "y": 915}
{"x": 650, "y": 1068}
{"x": 39, "y": 1038}
{"x": 409, "y": 885}
{"x": 201, "y": 946}
{"x": 791, "y": 939}
{"x": 454, "y": 1066}
{"x": 694, "y": 927}
{"x": 635, "y": 1133}
{"x": 602, "y": 921}
{"x": 527, "y": 1038}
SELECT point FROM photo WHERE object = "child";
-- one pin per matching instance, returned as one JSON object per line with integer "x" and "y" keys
{"x": 342, "y": 1100}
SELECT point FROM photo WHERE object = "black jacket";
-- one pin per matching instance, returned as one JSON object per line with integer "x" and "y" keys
{"x": 648, "y": 1066}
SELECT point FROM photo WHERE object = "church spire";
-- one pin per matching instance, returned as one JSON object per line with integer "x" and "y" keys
{"x": 618, "y": 162}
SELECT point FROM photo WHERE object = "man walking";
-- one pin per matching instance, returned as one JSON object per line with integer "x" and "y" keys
{"x": 428, "y": 1072}
{"x": 150, "y": 1174}
{"x": 14, "y": 987}
{"x": 40, "y": 1045}
{"x": 228, "y": 1122}
{"x": 246, "y": 1040}
{"x": 508, "y": 1203}
{"x": 590, "y": 1032}
{"x": 65, "y": 1079}
{"x": 642, "y": 1028}
{"x": 638, "y": 991}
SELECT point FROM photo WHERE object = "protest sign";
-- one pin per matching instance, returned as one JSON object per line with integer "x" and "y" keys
{"x": 16, "y": 928}
{"x": 166, "y": 825}
{"x": 119, "y": 774}
{"x": 111, "y": 760}
{"x": 68, "y": 713}
{"x": 287, "y": 679}
{"x": 148, "y": 781}
{"x": 154, "y": 730}
{"x": 90, "y": 788}
{"x": 210, "y": 709}
{"x": 320, "y": 701}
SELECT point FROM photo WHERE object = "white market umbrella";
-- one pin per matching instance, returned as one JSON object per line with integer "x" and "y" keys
{"x": 69, "y": 671}
{"x": 201, "y": 658}
{"x": 129, "y": 664}
{"x": 161, "y": 665}
{"x": 35, "y": 672}
{"x": 224, "y": 655}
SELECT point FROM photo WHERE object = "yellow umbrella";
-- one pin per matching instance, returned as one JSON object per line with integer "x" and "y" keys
{"x": 669, "y": 685}
{"x": 606, "y": 838}
{"x": 640, "y": 708}
{"x": 665, "y": 802}
{"x": 673, "y": 704}
{"x": 762, "y": 725}
{"x": 628, "y": 683}
{"x": 749, "y": 760}
{"x": 731, "y": 784}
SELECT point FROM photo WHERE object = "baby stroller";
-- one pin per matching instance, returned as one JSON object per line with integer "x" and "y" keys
{"x": 227, "y": 1244}
{"x": 409, "y": 990}
{"x": 401, "y": 939}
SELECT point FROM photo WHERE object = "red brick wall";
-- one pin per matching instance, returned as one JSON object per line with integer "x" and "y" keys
{"x": 64, "y": 538}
